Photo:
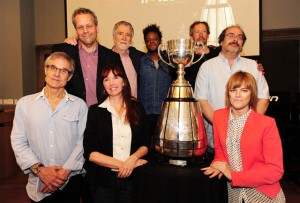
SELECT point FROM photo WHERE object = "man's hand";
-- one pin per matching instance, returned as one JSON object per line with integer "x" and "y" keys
{"x": 260, "y": 68}
{"x": 53, "y": 178}
{"x": 71, "y": 40}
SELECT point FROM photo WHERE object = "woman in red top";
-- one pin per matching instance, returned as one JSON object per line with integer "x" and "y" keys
{"x": 248, "y": 150}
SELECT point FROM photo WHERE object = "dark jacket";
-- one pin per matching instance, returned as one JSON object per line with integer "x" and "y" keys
{"x": 135, "y": 56}
{"x": 98, "y": 136}
{"x": 76, "y": 85}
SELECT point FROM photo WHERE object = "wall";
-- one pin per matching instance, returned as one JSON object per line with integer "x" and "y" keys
{"x": 49, "y": 21}
{"x": 17, "y": 64}
{"x": 25, "y": 24}
{"x": 278, "y": 14}
{"x": 10, "y": 52}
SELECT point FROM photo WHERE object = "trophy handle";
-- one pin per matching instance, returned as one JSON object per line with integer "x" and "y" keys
{"x": 158, "y": 51}
{"x": 197, "y": 44}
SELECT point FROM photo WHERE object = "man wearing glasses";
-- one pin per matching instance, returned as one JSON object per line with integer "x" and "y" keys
{"x": 214, "y": 73}
{"x": 47, "y": 136}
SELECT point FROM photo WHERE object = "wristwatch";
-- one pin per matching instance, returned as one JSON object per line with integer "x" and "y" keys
{"x": 37, "y": 168}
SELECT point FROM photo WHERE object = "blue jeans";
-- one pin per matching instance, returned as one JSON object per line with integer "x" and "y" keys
{"x": 118, "y": 191}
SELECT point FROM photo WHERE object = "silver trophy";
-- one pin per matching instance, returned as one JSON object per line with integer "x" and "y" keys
{"x": 180, "y": 136}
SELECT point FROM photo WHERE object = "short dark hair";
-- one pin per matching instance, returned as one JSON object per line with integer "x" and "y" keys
{"x": 196, "y": 23}
{"x": 223, "y": 33}
{"x": 152, "y": 28}
{"x": 84, "y": 11}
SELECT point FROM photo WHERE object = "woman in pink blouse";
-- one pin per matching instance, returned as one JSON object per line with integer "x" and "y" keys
{"x": 248, "y": 150}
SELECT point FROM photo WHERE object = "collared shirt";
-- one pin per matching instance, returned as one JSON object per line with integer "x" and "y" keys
{"x": 154, "y": 84}
{"x": 121, "y": 132}
{"x": 50, "y": 137}
{"x": 212, "y": 78}
{"x": 89, "y": 63}
{"x": 130, "y": 72}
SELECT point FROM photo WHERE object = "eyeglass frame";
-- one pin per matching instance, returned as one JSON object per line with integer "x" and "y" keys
{"x": 232, "y": 36}
{"x": 61, "y": 70}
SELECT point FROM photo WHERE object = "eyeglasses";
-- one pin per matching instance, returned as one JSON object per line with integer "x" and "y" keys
{"x": 232, "y": 36}
{"x": 62, "y": 71}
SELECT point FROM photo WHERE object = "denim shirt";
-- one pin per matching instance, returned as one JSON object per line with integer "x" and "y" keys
{"x": 153, "y": 83}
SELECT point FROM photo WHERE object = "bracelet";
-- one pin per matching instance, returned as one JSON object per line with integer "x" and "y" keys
{"x": 37, "y": 168}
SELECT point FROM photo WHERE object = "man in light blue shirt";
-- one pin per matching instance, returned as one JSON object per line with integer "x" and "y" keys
{"x": 47, "y": 136}
{"x": 214, "y": 74}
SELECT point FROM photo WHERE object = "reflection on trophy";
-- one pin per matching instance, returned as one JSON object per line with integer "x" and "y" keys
{"x": 180, "y": 137}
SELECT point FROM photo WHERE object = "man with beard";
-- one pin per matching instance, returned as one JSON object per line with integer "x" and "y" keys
{"x": 123, "y": 33}
{"x": 214, "y": 73}
{"x": 90, "y": 57}
{"x": 199, "y": 32}
{"x": 154, "y": 77}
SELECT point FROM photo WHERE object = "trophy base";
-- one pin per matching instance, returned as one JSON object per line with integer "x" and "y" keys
{"x": 190, "y": 161}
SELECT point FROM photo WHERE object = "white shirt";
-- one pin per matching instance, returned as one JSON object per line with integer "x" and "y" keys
{"x": 121, "y": 133}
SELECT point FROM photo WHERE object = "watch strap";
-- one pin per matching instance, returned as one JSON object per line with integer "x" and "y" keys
{"x": 37, "y": 168}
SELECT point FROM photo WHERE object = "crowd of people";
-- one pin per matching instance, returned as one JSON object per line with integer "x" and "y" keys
{"x": 82, "y": 136}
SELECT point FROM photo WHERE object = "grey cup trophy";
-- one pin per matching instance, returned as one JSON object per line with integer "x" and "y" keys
{"x": 180, "y": 137}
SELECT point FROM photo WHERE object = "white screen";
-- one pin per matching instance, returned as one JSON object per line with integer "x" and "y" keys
{"x": 174, "y": 18}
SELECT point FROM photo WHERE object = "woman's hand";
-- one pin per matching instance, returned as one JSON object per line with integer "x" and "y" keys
{"x": 127, "y": 167}
{"x": 140, "y": 162}
{"x": 211, "y": 172}
{"x": 223, "y": 168}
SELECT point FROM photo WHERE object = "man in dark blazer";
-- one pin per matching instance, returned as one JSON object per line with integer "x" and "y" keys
{"x": 90, "y": 57}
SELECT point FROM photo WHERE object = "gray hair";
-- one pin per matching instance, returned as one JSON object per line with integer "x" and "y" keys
{"x": 122, "y": 23}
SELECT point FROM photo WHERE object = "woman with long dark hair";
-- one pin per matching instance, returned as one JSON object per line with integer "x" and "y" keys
{"x": 115, "y": 139}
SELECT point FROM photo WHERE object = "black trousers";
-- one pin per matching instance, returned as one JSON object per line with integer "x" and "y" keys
{"x": 70, "y": 194}
{"x": 152, "y": 121}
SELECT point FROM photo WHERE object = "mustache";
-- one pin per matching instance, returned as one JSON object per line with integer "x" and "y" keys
{"x": 234, "y": 43}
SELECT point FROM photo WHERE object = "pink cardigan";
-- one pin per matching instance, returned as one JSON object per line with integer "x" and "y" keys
{"x": 261, "y": 152}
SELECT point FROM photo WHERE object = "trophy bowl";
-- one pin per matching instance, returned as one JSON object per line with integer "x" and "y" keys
{"x": 180, "y": 136}
{"x": 180, "y": 51}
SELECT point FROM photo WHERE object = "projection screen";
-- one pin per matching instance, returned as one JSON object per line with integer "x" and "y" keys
{"x": 174, "y": 18}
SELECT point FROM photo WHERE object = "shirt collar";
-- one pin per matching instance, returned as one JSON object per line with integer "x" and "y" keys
{"x": 81, "y": 48}
{"x": 106, "y": 104}
{"x": 225, "y": 59}
{"x": 241, "y": 118}
{"x": 42, "y": 95}
{"x": 124, "y": 55}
